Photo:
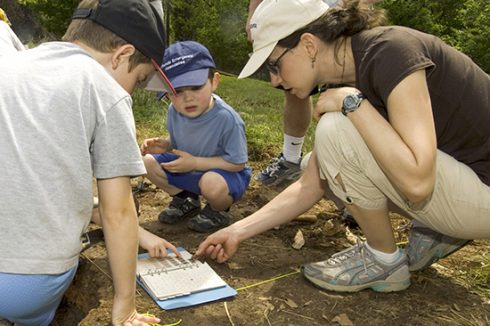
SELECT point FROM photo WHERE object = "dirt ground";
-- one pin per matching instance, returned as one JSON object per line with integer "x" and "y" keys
{"x": 437, "y": 296}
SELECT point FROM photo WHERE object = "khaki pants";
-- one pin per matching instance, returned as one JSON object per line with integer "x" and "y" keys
{"x": 459, "y": 205}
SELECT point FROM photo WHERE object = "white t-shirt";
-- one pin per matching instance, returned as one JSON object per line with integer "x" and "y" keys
{"x": 63, "y": 120}
{"x": 9, "y": 42}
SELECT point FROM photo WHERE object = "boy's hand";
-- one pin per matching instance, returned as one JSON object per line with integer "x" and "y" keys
{"x": 185, "y": 163}
{"x": 124, "y": 313}
{"x": 154, "y": 146}
{"x": 219, "y": 246}
{"x": 156, "y": 246}
{"x": 133, "y": 319}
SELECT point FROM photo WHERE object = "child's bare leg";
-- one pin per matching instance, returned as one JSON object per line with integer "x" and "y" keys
{"x": 215, "y": 190}
{"x": 157, "y": 175}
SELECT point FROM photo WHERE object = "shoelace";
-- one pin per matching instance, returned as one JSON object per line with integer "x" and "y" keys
{"x": 273, "y": 167}
{"x": 187, "y": 206}
{"x": 342, "y": 256}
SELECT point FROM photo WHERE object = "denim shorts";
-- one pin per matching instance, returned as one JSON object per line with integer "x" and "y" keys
{"x": 32, "y": 300}
{"x": 237, "y": 181}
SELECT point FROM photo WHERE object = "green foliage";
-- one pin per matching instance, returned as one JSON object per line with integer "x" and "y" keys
{"x": 53, "y": 15}
{"x": 218, "y": 24}
{"x": 462, "y": 24}
{"x": 474, "y": 39}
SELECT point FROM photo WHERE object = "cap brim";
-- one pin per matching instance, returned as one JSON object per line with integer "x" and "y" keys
{"x": 191, "y": 78}
{"x": 256, "y": 60}
{"x": 159, "y": 81}
{"x": 188, "y": 79}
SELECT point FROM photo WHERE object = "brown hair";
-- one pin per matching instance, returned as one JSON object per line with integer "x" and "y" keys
{"x": 337, "y": 23}
{"x": 211, "y": 73}
{"x": 99, "y": 38}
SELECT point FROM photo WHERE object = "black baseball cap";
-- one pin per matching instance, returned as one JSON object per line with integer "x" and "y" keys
{"x": 140, "y": 24}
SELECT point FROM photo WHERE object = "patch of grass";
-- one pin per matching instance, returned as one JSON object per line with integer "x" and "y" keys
{"x": 479, "y": 277}
{"x": 258, "y": 103}
{"x": 149, "y": 114}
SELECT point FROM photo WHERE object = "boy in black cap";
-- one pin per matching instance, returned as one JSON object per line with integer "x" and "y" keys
{"x": 66, "y": 117}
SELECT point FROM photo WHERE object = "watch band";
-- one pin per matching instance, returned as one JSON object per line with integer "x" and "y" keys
{"x": 352, "y": 102}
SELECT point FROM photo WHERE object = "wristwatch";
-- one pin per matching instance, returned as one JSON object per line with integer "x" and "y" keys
{"x": 352, "y": 102}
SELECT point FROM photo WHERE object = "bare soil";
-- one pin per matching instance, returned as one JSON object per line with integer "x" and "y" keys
{"x": 438, "y": 296}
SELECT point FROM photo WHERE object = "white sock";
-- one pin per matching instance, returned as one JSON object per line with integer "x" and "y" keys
{"x": 386, "y": 258}
{"x": 291, "y": 148}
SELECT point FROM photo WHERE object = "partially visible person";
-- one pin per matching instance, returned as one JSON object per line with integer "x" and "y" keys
{"x": 408, "y": 132}
{"x": 9, "y": 42}
{"x": 4, "y": 18}
{"x": 67, "y": 118}
{"x": 206, "y": 150}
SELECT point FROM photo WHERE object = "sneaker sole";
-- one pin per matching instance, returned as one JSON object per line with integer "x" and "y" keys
{"x": 438, "y": 252}
{"x": 378, "y": 286}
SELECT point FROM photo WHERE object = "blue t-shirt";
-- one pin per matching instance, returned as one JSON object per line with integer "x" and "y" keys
{"x": 218, "y": 132}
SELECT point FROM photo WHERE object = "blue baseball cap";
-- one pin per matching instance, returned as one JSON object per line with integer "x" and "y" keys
{"x": 187, "y": 63}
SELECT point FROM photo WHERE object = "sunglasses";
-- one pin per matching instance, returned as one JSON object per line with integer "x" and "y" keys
{"x": 273, "y": 66}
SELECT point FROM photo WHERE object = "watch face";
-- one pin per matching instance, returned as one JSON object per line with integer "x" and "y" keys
{"x": 349, "y": 102}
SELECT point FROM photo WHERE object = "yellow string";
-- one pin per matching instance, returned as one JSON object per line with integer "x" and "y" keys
{"x": 174, "y": 324}
{"x": 239, "y": 289}
{"x": 267, "y": 281}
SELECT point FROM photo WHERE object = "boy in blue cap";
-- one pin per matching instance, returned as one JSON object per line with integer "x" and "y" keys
{"x": 206, "y": 151}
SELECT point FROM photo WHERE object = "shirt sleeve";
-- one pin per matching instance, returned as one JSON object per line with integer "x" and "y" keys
{"x": 234, "y": 143}
{"x": 389, "y": 59}
{"x": 115, "y": 151}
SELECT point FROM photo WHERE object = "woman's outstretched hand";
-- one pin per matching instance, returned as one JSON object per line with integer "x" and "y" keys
{"x": 219, "y": 246}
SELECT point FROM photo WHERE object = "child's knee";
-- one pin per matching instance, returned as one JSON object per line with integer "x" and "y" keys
{"x": 151, "y": 164}
{"x": 213, "y": 186}
{"x": 149, "y": 161}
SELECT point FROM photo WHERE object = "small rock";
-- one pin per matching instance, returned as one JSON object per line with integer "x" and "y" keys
{"x": 343, "y": 320}
{"x": 299, "y": 240}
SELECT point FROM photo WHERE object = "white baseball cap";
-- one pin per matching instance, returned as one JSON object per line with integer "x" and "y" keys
{"x": 274, "y": 20}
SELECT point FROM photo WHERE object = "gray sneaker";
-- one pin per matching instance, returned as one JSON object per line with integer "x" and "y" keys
{"x": 279, "y": 172}
{"x": 180, "y": 209}
{"x": 355, "y": 269}
{"x": 426, "y": 246}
